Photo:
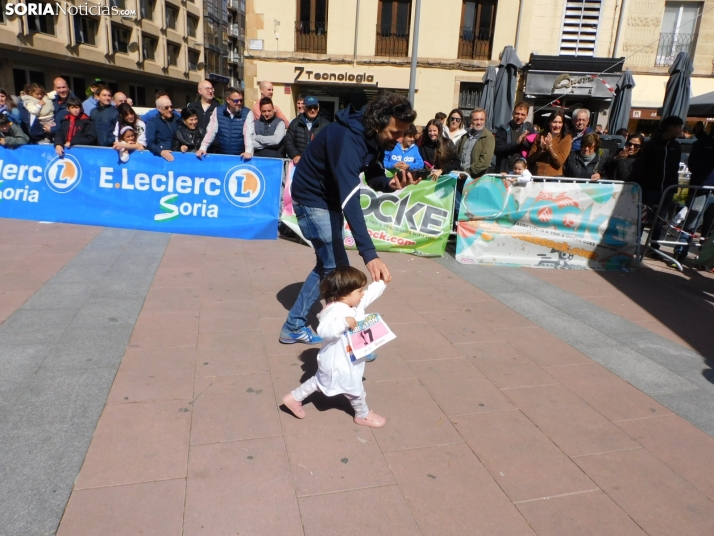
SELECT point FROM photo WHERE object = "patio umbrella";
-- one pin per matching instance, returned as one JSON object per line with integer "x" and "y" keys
{"x": 621, "y": 103}
{"x": 702, "y": 106}
{"x": 505, "y": 88}
{"x": 676, "y": 96}
{"x": 487, "y": 96}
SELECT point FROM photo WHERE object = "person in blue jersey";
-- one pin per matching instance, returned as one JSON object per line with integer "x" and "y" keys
{"x": 325, "y": 191}
{"x": 405, "y": 155}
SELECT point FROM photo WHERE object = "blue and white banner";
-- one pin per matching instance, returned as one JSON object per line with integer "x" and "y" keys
{"x": 217, "y": 196}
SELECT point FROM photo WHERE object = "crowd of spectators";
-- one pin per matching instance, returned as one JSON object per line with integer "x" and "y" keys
{"x": 561, "y": 145}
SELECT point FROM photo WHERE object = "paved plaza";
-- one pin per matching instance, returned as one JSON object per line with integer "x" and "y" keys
{"x": 141, "y": 378}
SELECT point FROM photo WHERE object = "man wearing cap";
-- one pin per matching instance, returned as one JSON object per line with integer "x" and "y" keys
{"x": 91, "y": 103}
{"x": 304, "y": 128}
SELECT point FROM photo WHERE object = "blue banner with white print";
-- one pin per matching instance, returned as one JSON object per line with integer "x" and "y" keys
{"x": 217, "y": 196}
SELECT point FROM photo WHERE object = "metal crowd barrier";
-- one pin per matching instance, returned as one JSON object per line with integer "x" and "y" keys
{"x": 682, "y": 231}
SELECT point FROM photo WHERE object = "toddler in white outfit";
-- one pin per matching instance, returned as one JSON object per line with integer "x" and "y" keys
{"x": 343, "y": 290}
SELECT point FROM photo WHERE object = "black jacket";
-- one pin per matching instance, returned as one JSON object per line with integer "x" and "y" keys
{"x": 576, "y": 168}
{"x": 657, "y": 164}
{"x": 506, "y": 151}
{"x": 428, "y": 154}
{"x": 204, "y": 117}
{"x": 84, "y": 133}
{"x": 620, "y": 169}
{"x": 191, "y": 138}
{"x": 701, "y": 160}
{"x": 298, "y": 136}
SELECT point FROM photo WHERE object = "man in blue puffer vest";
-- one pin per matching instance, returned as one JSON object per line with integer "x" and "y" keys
{"x": 225, "y": 129}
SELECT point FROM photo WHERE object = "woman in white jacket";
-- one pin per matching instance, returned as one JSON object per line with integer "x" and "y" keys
{"x": 454, "y": 125}
{"x": 343, "y": 290}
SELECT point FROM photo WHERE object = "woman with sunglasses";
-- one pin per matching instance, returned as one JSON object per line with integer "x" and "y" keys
{"x": 128, "y": 118}
{"x": 455, "y": 125}
{"x": 619, "y": 167}
{"x": 551, "y": 148}
{"x": 437, "y": 151}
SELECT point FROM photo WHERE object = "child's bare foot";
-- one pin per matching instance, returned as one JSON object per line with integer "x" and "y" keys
{"x": 372, "y": 419}
{"x": 294, "y": 406}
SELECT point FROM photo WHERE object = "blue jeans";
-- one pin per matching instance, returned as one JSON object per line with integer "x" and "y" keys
{"x": 323, "y": 228}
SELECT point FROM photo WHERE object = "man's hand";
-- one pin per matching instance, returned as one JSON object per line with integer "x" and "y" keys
{"x": 247, "y": 156}
{"x": 296, "y": 159}
{"x": 379, "y": 271}
{"x": 2, "y": 141}
{"x": 595, "y": 177}
{"x": 200, "y": 153}
{"x": 59, "y": 150}
{"x": 184, "y": 148}
{"x": 351, "y": 322}
{"x": 402, "y": 180}
{"x": 167, "y": 155}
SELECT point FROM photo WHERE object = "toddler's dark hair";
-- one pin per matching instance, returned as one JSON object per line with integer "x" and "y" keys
{"x": 340, "y": 282}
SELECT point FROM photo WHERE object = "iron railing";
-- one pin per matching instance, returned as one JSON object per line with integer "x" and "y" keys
{"x": 311, "y": 37}
{"x": 392, "y": 40}
{"x": 671, "y": 44}
{"x": 475, "y": 43}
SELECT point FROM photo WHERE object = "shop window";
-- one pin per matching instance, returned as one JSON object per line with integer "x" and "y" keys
{"x": 311, "y": 26}
{"x": 137, "y": 94}
{"x": 193, "y": 59}
{"x": 171, "y": 17}
{"x": 393, "y": 20}
{"x": 580, "y": 23}
{"x": 478, "y": 20}
{"x": 173, "y": 51}
{"x": 469, "y": 95}
{"x": 120, "y": 39}
{"x": 40, "y": 23}
{"x": 191, "y": 26}
{"x": 85, "y": 30}
{"x": 679, "y": 31}
{"x": 148, "y": 47}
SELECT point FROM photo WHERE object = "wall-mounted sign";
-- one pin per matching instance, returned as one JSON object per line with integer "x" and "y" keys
{"x": 255, "y": 44}
{"x": 303, "y": 75}
{"x": 546, "y": 83}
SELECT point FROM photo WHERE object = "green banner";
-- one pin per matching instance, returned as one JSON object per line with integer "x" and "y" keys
{"x": 414, "y": 220}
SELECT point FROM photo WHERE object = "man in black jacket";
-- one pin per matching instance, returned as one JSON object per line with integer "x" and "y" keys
{"x": 511, "y": 138}
{"x": 303, "y": 129}
{"x": 205, "y": 105}
{"x": 657, "y": 167}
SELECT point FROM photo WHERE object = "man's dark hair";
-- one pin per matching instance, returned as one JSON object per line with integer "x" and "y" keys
{"x": 671, "y": 121}
{"x": 232, "y": 90}
{"x": 341, "y": 282}
{"x": 381, "y": 109}
{"x": 440, "y": 116}
{"x": 302, "y": 96}
{"x": 99, "y": 90}
{"x": 265, "y": 100}
{"x": 73, "y": 101}
{"x": 4, "y": 120}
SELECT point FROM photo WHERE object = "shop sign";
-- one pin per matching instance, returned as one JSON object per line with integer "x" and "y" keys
{"x": 644, "y": 113}
{"x": 551, "y": 83}
{"x": 303, "y": 75}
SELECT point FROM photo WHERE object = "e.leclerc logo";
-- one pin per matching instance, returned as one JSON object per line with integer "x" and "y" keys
{"x": 63, "y": 174}
{"x": 244, "y": 186}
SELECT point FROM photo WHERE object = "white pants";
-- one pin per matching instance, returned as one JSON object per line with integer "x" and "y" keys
{"x": 310, "y": 386}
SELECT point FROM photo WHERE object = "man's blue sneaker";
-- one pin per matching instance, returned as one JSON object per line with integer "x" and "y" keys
{"x": 371, "y": 357}
{"x": 305, "y": 335}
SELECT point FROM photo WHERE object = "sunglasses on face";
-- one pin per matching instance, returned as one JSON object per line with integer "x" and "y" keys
{"x": 236, "y": 101}
{"x": 311, "y": 107}
{"x": 630, "y": 144}
{"x": 455, "y": 119}
{"x": 169, "y": 107}
{"x": 399, "y": 108}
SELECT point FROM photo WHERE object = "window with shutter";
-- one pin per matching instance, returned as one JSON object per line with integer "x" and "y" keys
{"x": 580, "y": 23}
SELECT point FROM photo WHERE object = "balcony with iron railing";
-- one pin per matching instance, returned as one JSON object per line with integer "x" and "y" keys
{"x": 392, "y": 41}
{"x": 475, "y": 43}
{"x": 311, "y": 37}
{"x": 671, "y": 44}
{"x": 235, "y": 57}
